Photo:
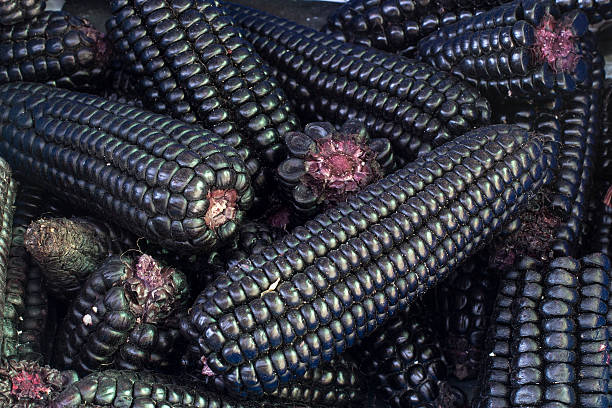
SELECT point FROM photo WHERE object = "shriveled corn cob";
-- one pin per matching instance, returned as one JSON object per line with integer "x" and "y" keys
{"x": 15, "y": 11}
{"x": 115, "y": 389}
{"x": 397, "y": 26}
{"x": 196, "y": 66}
{"x": 549, "y": 339}
{"x": 409, "y": 103}
{"x": 312, "y": 293}
{"x": 69, "y": 250}
{"x": 8, "y": 191}
{"x": 55, "y": 48}
{"x": 176, "y": 184}
{"x": 120, "y": 317}
{"x": 404, "y": 365}
{"x": 518, "y": 49}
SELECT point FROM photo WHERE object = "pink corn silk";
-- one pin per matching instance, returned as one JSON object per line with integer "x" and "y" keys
{"x": 555, "y": 44}
{"x": 29, "y": 385}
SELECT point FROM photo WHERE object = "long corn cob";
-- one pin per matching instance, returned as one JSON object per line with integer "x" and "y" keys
{"x": 15, "y": 11}
{"x": 120, "y": 317}
{"x": 8, "y": 190}
{"x": 116, "y": 389}
{"x": 549, "y": 339}
{"x": 462, "y": 310}
{"x": 25, "y": 319}
{"x": 531, "y": 50}
{"x": 311, "y": 294}
{"x": 55, "y": 48}
{"x": 409, "y": 103}
{"x": 404, "y": 365}
{"x": 397, "y": 26}
{"x": 69, "y": 250}
{"x": 175, "y": 184}
{"x": 196, "y": 66}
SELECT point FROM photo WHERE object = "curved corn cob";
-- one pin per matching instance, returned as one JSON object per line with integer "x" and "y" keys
{"x": 325, "y": 166}
{"x": 15, "y": 11}
{"x": 117, "y": 389}
{"x": 195, "y": 65}
{"x": 549, "y": 340}
{"x": 8, "y": 190}
{"x": 175, "y": 184}
{"x": 462, "y": 310}
{"x": 25, "y": 317}
{"x": 397, "y": 26}
{"x": 25, "y": 384}
{"x": 311, "y": 294}
{"x": 531, "y": 50}
{"x": 409, "y": 103}
{"x": 403, "y": 363}
{"x": 68, "y": 251}
{"x": 56, "y": 48}
{"x": 120, "y": 317}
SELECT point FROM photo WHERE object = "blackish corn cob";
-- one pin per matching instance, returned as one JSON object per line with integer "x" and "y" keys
{"x": 596, "y": 10}
{"x": 252, "y": 238}
{"x": 519, "y": 49}
{"x": 15, "y": 11}
{"x": 25, "y": 384}
{"x": 8, "y": 192}
{"x": 55, "y": 48}
{"x": 463, "y": 307}
{"x": 118, "y": 389}
{"x": 120, "y": 318}
{"x": 549, "y": 340}
{"x": 312, "y": 293}
{"x": 413, "y": 105}
{"x": 25, "y": 318}
{"x": 195, "y": 65}
{"x": 403, "y": 363}
{"x": 68, "y": 251}
{"x": 325, "y": 166}
{"x": 176, "y": 184}
{"x": 397, "y": 26}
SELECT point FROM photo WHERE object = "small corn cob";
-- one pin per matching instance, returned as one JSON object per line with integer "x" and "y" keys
{"x": 312, "y": 293}
{"x": 404, "y": 365}
{"x": 56, "y": 48}
{"x": 532, "y": 50}
{"x": 252, "y": 238}
{"x": 462, "y": 309}
{"x": 549, "y": 339}
{"x": 8, "y": 190}
{"x": 119, "y": 389}
{"x": 196, "y": 66}
{"x": 120, "y": 317}
{"x": 178, "y": 185}
{"x": 68, "y": 251}
{"x": 25, "y": 384}
{"x": 325, "y": 166}
{"x": 15, "y": 11}
{"x": 397, "y": 26}
{"x": 409, "y": 103}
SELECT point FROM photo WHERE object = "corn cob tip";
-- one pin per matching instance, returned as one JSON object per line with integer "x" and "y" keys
{"x": 221, "y": 207}
{"x": 206, "y": 371}
{"x": 103, "y": 46}
{"x": 449, "y": 397}
{"x": 534, "y": 238}
{"x": 338, "y": 165}
{"x": 280, "y": 218}
{"x": 153, "y": 293}
{"x": 555, "y": 44}
{"x": 26, "y": 381}
{"x": 608, "y": 197}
